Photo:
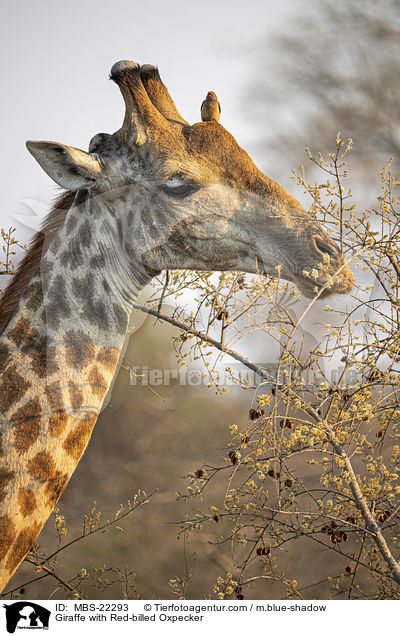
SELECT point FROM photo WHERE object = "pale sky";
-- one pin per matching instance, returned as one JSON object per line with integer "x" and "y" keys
{"x": 57, "y": 57}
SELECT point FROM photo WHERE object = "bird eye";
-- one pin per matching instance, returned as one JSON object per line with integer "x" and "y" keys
{"x": 180, "y": 187}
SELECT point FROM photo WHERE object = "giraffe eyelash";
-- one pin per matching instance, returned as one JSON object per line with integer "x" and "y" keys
{"x": 180, "y": 188}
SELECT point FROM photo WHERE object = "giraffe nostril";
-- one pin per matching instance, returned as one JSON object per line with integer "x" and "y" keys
{"x": 324, "y": 245}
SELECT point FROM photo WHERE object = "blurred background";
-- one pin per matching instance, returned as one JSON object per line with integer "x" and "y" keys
{"x": 289, "y": 75}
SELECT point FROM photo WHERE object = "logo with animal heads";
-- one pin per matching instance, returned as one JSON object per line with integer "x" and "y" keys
{"x": 26, "y": 615}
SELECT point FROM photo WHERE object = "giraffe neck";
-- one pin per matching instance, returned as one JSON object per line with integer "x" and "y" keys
{"x": 58, "y": 357}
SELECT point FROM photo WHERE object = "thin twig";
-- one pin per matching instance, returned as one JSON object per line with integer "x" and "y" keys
{"x": 100, "y": 528}
{"x": 51, "y": 573}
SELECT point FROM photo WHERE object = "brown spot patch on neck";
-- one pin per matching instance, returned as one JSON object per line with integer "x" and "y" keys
{"x": 31, "y": 260}
{"x": 79, "y": 349}
{"x": 108, "y": 357}
{"x": 75, "y": 442}
{"x": 7, "y": 534}
{"x": 5, "y": 477}
{"x": 34, "y": 346}
{"x": 97, "y": 382}
{"x": 59, "y": 417}
{"x": 55, "y": 485}
{"x": 26, "y": 422}
{"x": 4, "y": 356}
{"x": 42, "y": 466}
{"x": 13, "y": 387}
{"x": 27, "y": 501}
{"x": 22, "y": 545}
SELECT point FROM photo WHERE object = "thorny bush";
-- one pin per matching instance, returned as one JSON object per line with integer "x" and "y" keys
{"x": 315, "y": 469}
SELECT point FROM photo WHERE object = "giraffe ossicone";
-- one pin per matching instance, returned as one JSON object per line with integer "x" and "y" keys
{"x": 157, "y": 194}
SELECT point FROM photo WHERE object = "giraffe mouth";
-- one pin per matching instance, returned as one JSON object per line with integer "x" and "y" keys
{"x": 342, "y": 283}
{"x": 311, "y": 281}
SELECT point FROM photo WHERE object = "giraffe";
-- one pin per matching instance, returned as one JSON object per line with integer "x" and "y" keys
{"x": 157, "y": 194}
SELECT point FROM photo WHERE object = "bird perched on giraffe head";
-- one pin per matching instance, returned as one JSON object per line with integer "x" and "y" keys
{"x": 210, "y": 108}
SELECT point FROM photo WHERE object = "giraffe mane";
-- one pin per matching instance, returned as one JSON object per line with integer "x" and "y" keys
{"x": 39, "y": 245}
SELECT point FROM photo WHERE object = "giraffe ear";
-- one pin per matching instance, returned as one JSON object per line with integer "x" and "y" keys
{"x": 70, "y": 167}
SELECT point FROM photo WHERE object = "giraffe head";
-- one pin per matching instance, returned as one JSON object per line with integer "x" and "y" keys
{"x": 182, "y": 196}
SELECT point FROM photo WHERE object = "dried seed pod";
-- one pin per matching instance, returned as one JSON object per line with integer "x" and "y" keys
{"x": 288, "y": 482}
{"x": 271, "y": 473}
{"x": 200, "y": 473}
{"x": 384, "y": 515}
{"x": 221, "y": 314}
{"x": 234, "y": 457}
{"x": 254, "y": 414}
{"x": 216, "y": 518}
{"x": 286, "y": 423}
{"x": 326, "y": 529}
{"x": 338, "y": 536}
{"x": 349, "y": 569}
{"x": 263, "y": 551}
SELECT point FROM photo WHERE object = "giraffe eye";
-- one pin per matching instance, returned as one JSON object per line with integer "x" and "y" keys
{"x": 180, "y": 187}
